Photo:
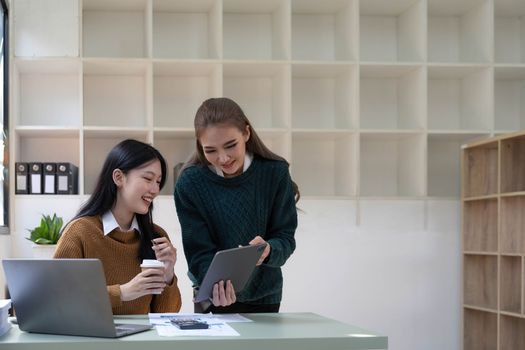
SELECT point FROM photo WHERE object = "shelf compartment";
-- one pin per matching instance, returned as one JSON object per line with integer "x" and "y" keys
{"x": 511, "y": 282}
{"x": 59, "y": 106}
{"x": 175, "y": 149}
{"x": 480, "y": 165}
{"x": 278, "y": 141}
{"x": 324, "y": 96}
{"x": 513, "y": 225}
{"x": 509, "y": 31}
{"x": 392, "y": 31}
{"x": 96, "y": 149}
{"x": 444, "y": 163}
{"x": 324, "y": 31}
{"x": 323, "y": 164}
{"x": 46, "y": 31}
{"x": 459, "y": 31}
{"x": 180, "y": 88}
{"x": 480, "y": 287}
{"x": 115, "y": 93}
{"x": 262, "y": 91}
{"x": 47, "y": 147}
{"x": 509, "y": 94}
{"x": 512, "y": 332}
{"x": 392, "y": 164}
{"x": 480, "y": 330}
{"x": 512, "y": 166}
{"x": 188, "y": 30}
{"x": 392, "y": 97}
{"x": 256, "y": 30}
{"x": 115, "y": 28}
{"x": 460, "y": 98}
{"x": 480, "y": 226}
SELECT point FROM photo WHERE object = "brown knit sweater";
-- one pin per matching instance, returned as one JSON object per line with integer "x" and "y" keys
{"x": 119, "y": 254}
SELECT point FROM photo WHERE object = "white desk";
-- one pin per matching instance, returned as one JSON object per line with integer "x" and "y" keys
{"x": 290, "y": 331}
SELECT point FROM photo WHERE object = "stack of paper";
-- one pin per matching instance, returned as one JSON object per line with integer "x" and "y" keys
{"x": 217, "y": 324}
{"x": 5, "y": 326}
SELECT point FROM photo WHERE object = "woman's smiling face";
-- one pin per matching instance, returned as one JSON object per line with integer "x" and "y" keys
{"x": 224, "y": 146}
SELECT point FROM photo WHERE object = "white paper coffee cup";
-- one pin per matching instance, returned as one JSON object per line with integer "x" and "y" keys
{"x": 148, "y": 264}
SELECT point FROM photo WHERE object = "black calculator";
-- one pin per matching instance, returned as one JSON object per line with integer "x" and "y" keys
{"x": 189, "y": 324}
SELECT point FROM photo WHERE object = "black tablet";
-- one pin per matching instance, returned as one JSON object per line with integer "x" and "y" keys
{"x": 234, "y": 264}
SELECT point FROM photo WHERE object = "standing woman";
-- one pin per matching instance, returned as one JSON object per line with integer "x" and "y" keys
{"x": 235, "y": 191}
{"x": 115, "y": 225}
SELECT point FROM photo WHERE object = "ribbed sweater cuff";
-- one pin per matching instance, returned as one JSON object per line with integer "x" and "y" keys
{"x": 114, "y": 295}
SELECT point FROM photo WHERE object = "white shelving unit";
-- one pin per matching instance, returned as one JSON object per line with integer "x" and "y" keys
{"x": 460, "y": 31}
{"x": 444, "y": 163}
{"x": 323, "y": 96}
{"x": 509, "y": 31}
{"x": 509, "y": 94}
{"x": 392, "y": 164}
{"x": 187, "y": 29}
{"x": 365, "y": 98}
{"x": 392, "y": 31}
{"x": 330, "y": 155}
{"x": 115, "y": 93}
{"x": 325, "y": 31}
{"x": 119, "y": 29}
{"x": 180, "y": 88}
{"x": 460, "y": 98}
{"x": 256, "y": 30}
{"x": 392, "y": 97}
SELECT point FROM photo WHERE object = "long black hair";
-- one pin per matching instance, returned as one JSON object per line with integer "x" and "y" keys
{"x": 225, "y": 111}
{"x": 127, "y": 155}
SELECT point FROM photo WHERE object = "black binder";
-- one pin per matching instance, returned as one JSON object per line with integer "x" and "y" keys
{"x": 35, "y": 178}
{"x": 67, "y": 178}
{"x": 49, "y": 182}
{"x": 21, "y": 178}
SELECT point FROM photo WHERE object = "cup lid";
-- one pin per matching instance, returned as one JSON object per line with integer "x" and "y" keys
{"x": 151, "y": 263}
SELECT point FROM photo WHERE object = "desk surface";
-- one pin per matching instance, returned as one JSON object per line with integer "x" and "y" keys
{"x": 301, "y": 331}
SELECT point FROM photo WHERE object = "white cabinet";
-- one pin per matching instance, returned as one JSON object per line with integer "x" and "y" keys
{"x": 365, "y": 98}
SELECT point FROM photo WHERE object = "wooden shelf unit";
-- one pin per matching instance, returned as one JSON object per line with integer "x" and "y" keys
{"x": 493, "y": 239}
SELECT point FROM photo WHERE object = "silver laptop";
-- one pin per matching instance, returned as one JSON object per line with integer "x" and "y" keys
{"x": 63, "y": 296}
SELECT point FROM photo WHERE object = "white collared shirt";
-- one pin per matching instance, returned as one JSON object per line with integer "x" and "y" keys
{"x": 248, "y": 157}
{"x": 109, "y": 223}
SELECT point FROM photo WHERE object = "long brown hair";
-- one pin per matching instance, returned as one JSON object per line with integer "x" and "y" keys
{"x": 221, "y": 111}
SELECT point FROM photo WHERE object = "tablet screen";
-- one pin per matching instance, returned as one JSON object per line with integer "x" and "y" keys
{"x": 236, "y": 265}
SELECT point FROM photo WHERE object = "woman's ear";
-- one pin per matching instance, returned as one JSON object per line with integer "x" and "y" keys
{"x": 118, "y": 177}
{"x": 247, "y": 133}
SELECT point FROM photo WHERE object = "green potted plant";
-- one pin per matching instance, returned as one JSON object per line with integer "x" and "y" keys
{"x": 45, "y": 236}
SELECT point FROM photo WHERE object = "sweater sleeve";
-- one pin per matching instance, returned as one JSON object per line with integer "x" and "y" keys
{"x": 199, "y": 246}
{"x": 70, "y": 246}
{"x": 70, "y": 243}
{"x": 283, "y": 223}
{"x": 170, "y": 299}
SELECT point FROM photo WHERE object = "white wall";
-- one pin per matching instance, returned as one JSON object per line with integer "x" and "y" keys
{"x": 397, "y": 272}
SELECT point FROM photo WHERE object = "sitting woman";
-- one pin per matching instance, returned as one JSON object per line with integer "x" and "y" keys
{"x": 115, "y": 225}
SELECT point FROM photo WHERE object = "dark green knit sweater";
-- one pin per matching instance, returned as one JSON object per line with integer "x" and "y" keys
{"x": 217, "y": 213}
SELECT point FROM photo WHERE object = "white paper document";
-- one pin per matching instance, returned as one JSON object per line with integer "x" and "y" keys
{"x": 216, "y": 326}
